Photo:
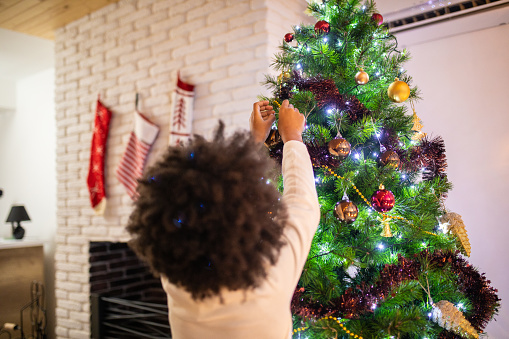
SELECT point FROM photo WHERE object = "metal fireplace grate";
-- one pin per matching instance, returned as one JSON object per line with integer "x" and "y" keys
{"x": 114, "y": 318}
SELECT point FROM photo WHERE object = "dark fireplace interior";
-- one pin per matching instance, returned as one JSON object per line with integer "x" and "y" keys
{"x": 127, "y": 301}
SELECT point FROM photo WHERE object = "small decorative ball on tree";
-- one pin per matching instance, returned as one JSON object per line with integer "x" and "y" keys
{"x": 339, "y": 147}
{"x": 378, "y": 18}
{"x": 283, "y": 75}
{"x": 390, "y": 158}
{"x": 383, "y": 200}
{"x": 346, "y": 210}
{"x": 322, "y": 26}
{"x": 361, "y": 78}
{"x": 398, "y": 91}
{"x": 273, "y": 140}
{"x": 289, "y": 37}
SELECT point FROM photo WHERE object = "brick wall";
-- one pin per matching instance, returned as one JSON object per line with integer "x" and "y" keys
{"x": 224, "y": 47}
{"x": 116, "y": 271}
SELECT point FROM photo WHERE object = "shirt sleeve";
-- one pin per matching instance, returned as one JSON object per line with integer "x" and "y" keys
{"x": 301, "y": 201}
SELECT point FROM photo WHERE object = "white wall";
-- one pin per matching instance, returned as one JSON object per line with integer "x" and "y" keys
{"x": 23, "y": 55}
{"x": 27, "y": 148}
{"x": 463, "y": 80}
{"x": 7, "y": 95}
{"x": 28, "y": 166}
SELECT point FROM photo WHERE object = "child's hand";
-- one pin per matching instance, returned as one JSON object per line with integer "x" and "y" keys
{"x": 291, "y": 123}
{"x": 261, "y": 120}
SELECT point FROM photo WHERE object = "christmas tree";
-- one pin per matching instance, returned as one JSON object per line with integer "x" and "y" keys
{"x": 388, "y": 258}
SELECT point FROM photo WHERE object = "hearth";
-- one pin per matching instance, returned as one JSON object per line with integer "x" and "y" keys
{"x": 127, "y": 301}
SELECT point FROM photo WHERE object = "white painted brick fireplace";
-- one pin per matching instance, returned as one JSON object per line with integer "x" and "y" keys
{"x": 224, "y": 47}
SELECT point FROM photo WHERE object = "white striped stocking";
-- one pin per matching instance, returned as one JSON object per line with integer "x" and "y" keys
{"x": 133, "y": 161}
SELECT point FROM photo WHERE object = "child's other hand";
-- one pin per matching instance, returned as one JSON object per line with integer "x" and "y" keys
{"x": 261, "y": 120}
{"x": 291, "y": 122}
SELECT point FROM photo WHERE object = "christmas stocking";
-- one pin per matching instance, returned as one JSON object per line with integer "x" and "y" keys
{"x": 181, "y": 117}
{"x": 95, "y": 179}
{"x": 133, "y": 160}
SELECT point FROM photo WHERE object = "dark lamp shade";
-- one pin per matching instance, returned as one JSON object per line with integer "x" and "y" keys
{"x": 17, "y": 214}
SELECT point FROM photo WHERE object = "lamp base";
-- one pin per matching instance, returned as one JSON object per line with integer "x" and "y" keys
{"x": 18, "y": 232}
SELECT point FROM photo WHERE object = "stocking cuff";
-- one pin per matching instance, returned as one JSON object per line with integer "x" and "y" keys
{"x": 100, "y": 207}
{"x": 145, "y": 130}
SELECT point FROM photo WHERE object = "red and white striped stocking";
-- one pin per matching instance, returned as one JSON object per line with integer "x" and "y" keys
{"x": 181, "y": 117}
{"x": 133, "y": 161}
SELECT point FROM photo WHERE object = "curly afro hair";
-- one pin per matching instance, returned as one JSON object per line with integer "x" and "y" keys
{"x": 206, "y": 218}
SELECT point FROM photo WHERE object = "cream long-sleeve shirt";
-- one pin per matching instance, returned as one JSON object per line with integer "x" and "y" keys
{"x": 264, "y": 312}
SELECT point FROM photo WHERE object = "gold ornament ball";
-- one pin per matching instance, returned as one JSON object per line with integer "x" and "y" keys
{"x": 390, "y": 158}
{"x": 346, "y": 211}
{"x": 361, "y": 78}
{"x": 398, "y": 91}
{"x": 287, "y": 74}
{"x": 339, "y": 147}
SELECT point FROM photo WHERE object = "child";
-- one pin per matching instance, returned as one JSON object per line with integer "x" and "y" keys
{"x": 229, "y": 250}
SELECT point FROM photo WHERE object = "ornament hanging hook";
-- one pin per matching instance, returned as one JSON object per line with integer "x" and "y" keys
{"x": 338, "y": 125}
{"x": 412, "y": 105}
{"x": 345, "y": 196}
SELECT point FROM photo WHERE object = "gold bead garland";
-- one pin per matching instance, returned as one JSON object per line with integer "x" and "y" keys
{"x": 300, "y": 329}
{"x": 384, "y": 215}
{"x": 356, "y": 190}
{"x": 343, "y": 327}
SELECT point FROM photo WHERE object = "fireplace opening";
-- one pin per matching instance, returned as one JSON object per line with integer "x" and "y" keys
{"x": 127, "y": 301}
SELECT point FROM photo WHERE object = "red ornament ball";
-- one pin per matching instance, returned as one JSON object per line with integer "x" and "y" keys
{"x": 322, "y": 26}
{"x": 378, "y": 18}
{"x": 289, "y": 37}
{"x": 383, "y": 200}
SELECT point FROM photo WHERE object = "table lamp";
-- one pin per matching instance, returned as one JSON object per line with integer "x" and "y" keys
{"x": 17, "y": 215}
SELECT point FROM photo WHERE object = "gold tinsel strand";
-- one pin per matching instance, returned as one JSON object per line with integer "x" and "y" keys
{"x": 457, "y": 227}
{"x": 449, "y": 317}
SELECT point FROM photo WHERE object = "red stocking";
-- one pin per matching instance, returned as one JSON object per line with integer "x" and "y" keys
{"x": 95, "y": 179}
